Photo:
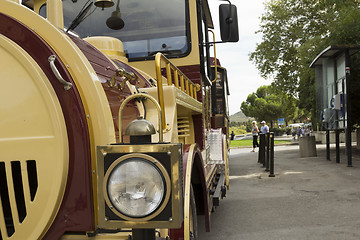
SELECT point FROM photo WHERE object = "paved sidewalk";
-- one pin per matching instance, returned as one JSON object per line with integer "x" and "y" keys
{"x": 309, "y": 199}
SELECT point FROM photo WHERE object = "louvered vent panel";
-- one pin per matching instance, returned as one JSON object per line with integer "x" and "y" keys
{"x": 18, "y": 187}
{"x": 183, "y": 127}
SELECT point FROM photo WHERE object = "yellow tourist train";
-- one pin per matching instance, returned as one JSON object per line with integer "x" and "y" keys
{"x": 113, "y": 118}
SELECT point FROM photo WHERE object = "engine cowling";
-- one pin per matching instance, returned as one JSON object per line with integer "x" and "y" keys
{"x": 48, "y": 134}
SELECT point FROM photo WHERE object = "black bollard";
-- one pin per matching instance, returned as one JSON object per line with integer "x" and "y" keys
{"x": 272, "y": 174}
{"x": 267, "y": 159}
{"x": 337, "y": 137}
{"x": 328, "y": 145}
{"x": 261, "y": 157}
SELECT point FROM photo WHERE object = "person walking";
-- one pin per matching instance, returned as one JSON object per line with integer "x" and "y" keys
{"x": 298, "y": 133}
{"x": 264, "y": 128}
{"x": 255, "y": 132}
{"x": 293, "y": 132}
{"x": 303, "y": 131}
{"x": 232, "y": 135}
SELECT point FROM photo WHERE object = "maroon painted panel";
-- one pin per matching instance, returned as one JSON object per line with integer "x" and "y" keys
{"x": 199, "y": 130}
{"x": 76, "y": 211}
{"x": 212, "y": 60}
{"x": 105, "y": 71}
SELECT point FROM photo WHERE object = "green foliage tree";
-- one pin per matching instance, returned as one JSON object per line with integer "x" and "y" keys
{"x": 241, "y": 127}
{"x": 269, "y": 104}
{"x": 294, "y": 32}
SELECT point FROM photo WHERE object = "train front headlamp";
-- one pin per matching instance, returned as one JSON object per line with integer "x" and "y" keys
{"x": 140, "y": 186}
{"x": 136, "y": 187}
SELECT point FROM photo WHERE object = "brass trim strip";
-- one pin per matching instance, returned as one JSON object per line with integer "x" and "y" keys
{"x": 187, "y": 193}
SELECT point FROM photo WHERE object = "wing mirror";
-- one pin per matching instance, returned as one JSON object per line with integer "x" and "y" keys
{"x": 229, "y": 30}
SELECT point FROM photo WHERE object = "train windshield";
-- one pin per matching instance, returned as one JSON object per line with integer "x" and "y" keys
{"x": 145, "y": 27}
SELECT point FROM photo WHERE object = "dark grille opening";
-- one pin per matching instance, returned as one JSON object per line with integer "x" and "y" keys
{"x": 32, "y": 175}
{"x": 18, "y": 189}
{"x": 4, "y": 195}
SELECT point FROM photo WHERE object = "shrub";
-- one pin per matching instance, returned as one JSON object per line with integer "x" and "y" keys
{"x": 278, "y": 131}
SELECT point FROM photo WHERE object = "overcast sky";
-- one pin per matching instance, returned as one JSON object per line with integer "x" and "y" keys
{"x": 243, "y": 77}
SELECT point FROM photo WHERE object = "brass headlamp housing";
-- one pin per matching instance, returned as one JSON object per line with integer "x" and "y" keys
{"x": 167, "y": 160}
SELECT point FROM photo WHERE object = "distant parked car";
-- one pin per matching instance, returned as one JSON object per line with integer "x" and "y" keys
{"x": 296, "y": 125}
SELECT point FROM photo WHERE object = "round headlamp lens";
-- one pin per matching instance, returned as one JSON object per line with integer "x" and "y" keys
{"x": 136, "y": 187}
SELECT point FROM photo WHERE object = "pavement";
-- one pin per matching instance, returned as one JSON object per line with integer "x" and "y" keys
{"x": 308, "y": 199}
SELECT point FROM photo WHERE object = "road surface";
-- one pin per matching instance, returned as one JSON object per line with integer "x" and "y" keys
{"x": 309, "y": 199}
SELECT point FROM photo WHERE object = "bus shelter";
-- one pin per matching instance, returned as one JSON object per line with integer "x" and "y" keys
{"x": 332, "y": 81}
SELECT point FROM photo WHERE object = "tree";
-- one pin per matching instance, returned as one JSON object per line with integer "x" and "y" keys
{"x": 294, "y": 33}
{"x": 268, "y": 104}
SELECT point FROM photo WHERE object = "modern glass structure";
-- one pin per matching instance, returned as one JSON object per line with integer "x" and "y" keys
{"x": 332, "y": 79}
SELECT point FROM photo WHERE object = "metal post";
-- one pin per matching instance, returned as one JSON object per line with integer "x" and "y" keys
{"x": 337, "y": 135}
{"x": 328, "y": 145}
{"x": 261, "y": 157}
{"x": 267, "y": 159}
{"x": 348, "y": 146}
{"x": 348, "y": 109}
{"x": 272, "y": 155}
{"x": 143, "y": 234}
{"x": 259, "y": 150}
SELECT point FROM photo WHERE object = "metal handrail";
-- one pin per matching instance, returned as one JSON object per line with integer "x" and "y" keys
{"x": 215, "y": 60}
{"x": 140, "y": 95}
{"x": 181, "y": 81}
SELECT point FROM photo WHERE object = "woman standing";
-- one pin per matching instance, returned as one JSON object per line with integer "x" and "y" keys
{"x": 255, "y": 131}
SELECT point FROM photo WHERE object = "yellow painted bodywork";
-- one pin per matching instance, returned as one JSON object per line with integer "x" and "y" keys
{"x": 54, "y": 13}
{"x": 100, "y": 123}
{"x": 101, "y": 128}
{"x": 84, "y": 76}
{"x": 177, "y": 104}
{"x": 112, "y": 47}
{"x": 32, "y": 128}
{"x": 181, "y": 81}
